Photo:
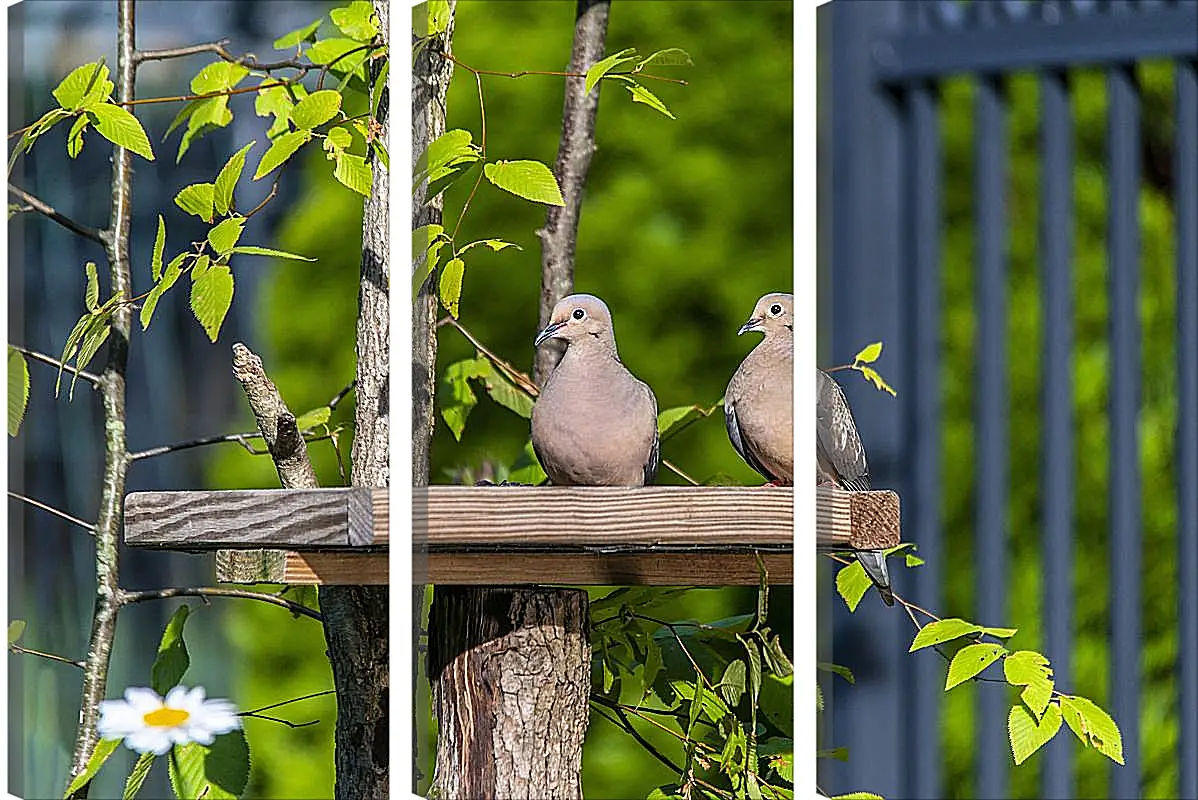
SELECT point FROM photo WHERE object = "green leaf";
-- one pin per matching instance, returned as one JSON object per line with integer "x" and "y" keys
{"x": 100, "y": 325}
{"x": 872, "y": 375}
{"x": 868, "y": 354}
{"x": 226, "y": 180}
{"x": 732, "y": 685}
{"x": 838, "y": 753}
{"x": 138, "y": 776}
{"x": 673, "y": 416}
{"x": 670, "y": 57}
{"x": 495, "y": 244}
{"x": 75, "y": 137}
{"x": 224, "y": 235}
{"x": 458, "y": 398}
{"x": 642, "y": 95}
{"x": 331, "y": 51}
{"x": 857, "y": 796}
{"x": 16, "y": 629}
{"x": 357, "y": 20}
{"x": 199, "y": 266}
{"x": 527, "y": 469}
{"x": 531, "y": 180}
{"x": 1093, "y": 726}
{"x": 506, "y": 394}
{"x": 852, "y": 583}
{"x": 448, "y": 153}
{"x": 280, "y": 150}
{"x": 696, "y": 706}
{"x": 293, "y": 38}
{"x": 252, "y": 250}
{"x": 438, "y": 16}
{"x": 18, "y": 396}
{"x": 783, "y": 764}
{"x": 218, "y": 76}
{"x": 601, "y": 68}
{"x": 354, "y": 172}
{"x": 159, "y": 246}
{"x": 423, "y": 237}
{"x": 104, "y": 748}
{"x": 1026, "y": 667}
{"x": 277, "y": 103}
{"x": 316, "y": 109}
{"x": 971, "y": 660}
{"x": 208, "y": 115}
{"x": 172, "y": 659}
{"x": 91, "y": 296}
{"x": 941, "y": 631}
{"x": 121, "y": 128}
{"x": 198, "y": 199}
{"x": 211, "y": 296}
{"x": 1028, "y": 734}
{"x": 84, "y": 84}
{"x": 219, "y": 771}
{"x": 337, "y": 139}
{"x": 653, "y": 664}
{"x": 169, "y": 276}
{"x": 310, "y": 419}
{"x": 837, "y": 669}
{"x": 450, "y": 286}
{"x": 183, "y": 116}
{"x": 1001, "y": 633}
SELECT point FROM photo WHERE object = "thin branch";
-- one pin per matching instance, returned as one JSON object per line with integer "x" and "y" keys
{"x": 46, "y": 210}
{"x": 482, "y": 157}
{"x": 519, "y": 378}
{"x": 279, "y": 720}
{"x": 64, "y": 515}
{"x": 289, "y": 702}
{"x": 522, "y": 73}
{"x": 182, "y": 98}
{"x": 665, "y": 462}
{"x": 204, "y": 592}
{"x": 16, "y": 648}
{"x": 90, "y": 377}
{"x": 624, "y": 723}
{"x": 240, "y": 438}
{"x": 218, "y": 49}
{"x": 341, "y": 395}
{"x": 274, "y": 190}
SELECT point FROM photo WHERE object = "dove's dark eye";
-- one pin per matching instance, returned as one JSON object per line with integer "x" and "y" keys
{"x": 579, "y": 313}
{"x": 775, "y": 309}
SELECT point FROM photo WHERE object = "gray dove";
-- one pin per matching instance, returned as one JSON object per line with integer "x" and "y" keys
{"x": 759, "y": 402}
{"x": 840, "y": 461}
{"x": 594, "y": 424}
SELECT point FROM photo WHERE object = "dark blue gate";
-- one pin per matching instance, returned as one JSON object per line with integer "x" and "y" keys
{"x": 884, "y": 67}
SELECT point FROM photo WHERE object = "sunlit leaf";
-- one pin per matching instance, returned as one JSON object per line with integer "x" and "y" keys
{"x": 970, "y": 661}
{"x": 211, "y": 296}
{"x": 868, "y": 354}
{"x": 280, "y": 150}
{"x": 104, "y": 748}
{"x": 226, "y": 180}
{"x": 18, "y": 401}
{"x": 224, "y": 235}
{"x": 316, "y": 109}
{"x": 357, "y": 20}
{"x": 218, "y": 76}
{"x": 670, "y": 57}
{"x": 944, "y": 630}
{"x": 252, "y": 250}
{"x": 293, "y": 38}
{"x": 606, "y": 65}
{"x": 1028, "y": 734}
{"x": 121, "y": 128}
{"x": 198, "y": 199}
{"x": 84, "y": 84}
{"x": 449, "y": 288}
{"x": 219, "y": 771}
{"x": 531, "y": 180}
{"x": 172, "y": 659}
{"x": 852, "y": 583}
{"x": 642, "y": 95}
{"x": 353, "y": 172}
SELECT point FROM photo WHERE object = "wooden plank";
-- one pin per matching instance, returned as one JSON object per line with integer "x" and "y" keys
{"x": 856, "y": 520}
{"x": 261, "y": 518}
{"x": 343, "y": 568}
{"x": 560, "y": 516}
{"x": 599, "y": 569}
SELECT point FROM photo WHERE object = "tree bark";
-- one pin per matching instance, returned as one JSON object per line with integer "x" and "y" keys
{"x": 355, "y": 617}
{"x": 508, "y": 692}
{"x": 510, "y": 668}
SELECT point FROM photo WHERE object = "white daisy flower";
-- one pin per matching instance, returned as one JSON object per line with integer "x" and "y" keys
{"x": 151, "y": 724}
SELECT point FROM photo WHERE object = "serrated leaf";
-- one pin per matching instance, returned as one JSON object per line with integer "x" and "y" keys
{"x": 316, "y": 109}
{"x": 209, "y": 115}
{"x": 354, "y": 172}
{"x": 277, "y": 103}
{"x": 86, "y": 83}
{"x": 280, "y": 150}
{"x": 1026, "y": 667}
{"x": 438, "y": 16}
{"x": 531, "y": 180}
{"x": 104, "y": 748}
{"x": 172, "y": 659}
{"x": 642, "y": 95}
{"x": 211, "y": 296}
{"x": 159, "y": 246}
{"x": 93, "y": 339}
{"x": 293, "y": 38}
{"x": 224, "y": 235}
{"x": 226, "y": 180}
{"x": 333, "y": 51}
{"x": 337, "y": 139}
{"x": 1093, "y": 726}
{"x": 253, "y": 250}
{"x": 852, "y": 583}
{"x": 1027, "y": 734}
{"x": 449, "y": 288}
{"x": 458, "y": 399}
{"x": 357, "y": 20}
{"x": 91, "y": 295}
{"x": 941, "y": 631}
{"x": 121, "y": 128}
{"x": 219, "y": 771}
{"x": 169, "y": 276}
{"x": 16, "y": 629}
{"x": 218, "y": 77}
{"x": 75, "y": 136}
{"x": 1000, "y": 633}
{"x": 310, "y": 419}
{"x": 971, "y": 660}
{"x": 18, "y": 398}
{"x": 872, "y": 375}
{"x": 448, "y": 153}
{"x": 606, "y": 65}
{"x": 505, "y": 393}
{"x": 732, "y": 684}
{"x": 199, "y": 266}
{"x": 495, "y": 244}
{"x": 183, "y": 116}
{"x": 423, "y": 237}
{"x": 837, "y": 669}
{"x": 137, "y": 776}
{"x": 670, "y": 57}
{"x": 198, "y": 199}
{"x": 868, "y": 354}
{"x": 672, "y": 416}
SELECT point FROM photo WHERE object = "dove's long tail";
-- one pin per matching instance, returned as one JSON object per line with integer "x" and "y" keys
{"x": 875, "y": 567}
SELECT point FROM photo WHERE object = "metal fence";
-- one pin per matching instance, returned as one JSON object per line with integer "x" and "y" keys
{"x": 883, "y": 68}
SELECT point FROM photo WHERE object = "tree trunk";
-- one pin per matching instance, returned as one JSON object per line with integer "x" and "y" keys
{"x": 355, "y": 617}
{"x": 511, "y": 678}
{"x": 510, "y": 668}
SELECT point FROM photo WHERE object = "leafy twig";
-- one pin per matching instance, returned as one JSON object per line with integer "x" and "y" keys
{"x": 90, "y": 377}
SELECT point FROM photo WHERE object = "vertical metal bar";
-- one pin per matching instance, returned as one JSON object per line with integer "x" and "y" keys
{"x": 1056, "y": 235}
{"x": 1186, "y": 222}
{"x": 990, "y": 569}
{"x": 923, "y": 403}
{"x": 1123, "y": 142}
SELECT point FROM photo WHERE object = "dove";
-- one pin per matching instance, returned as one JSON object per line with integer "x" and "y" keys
{"x": 594, "y": 423}
{"x": 840, "y": 461}
{"x": 759, "y": 402}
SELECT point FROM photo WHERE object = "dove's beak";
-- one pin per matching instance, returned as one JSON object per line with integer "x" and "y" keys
{"x": 550, "y": 331}
{"x": 752, "y": 325}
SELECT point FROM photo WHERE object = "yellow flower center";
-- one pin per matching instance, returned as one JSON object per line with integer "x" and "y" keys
{"x": 166, "y": 717}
